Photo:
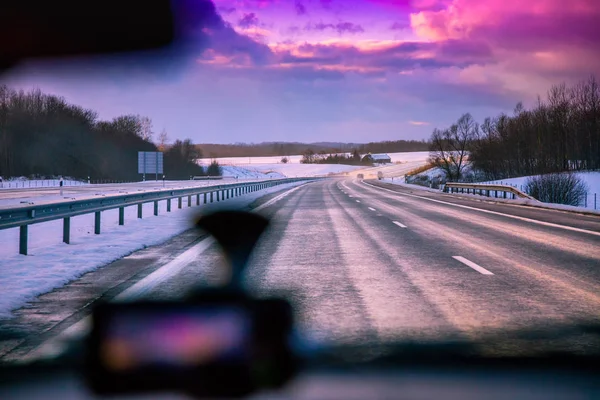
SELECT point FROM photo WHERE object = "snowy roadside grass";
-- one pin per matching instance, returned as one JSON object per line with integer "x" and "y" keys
{"x": 51, "y": 263}
{"x": 523, "y": 202}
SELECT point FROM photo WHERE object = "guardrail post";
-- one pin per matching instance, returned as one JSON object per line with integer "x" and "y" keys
{"x": 198, "y": 199}
{"x": 121, "y": 215}
{"x": 205, "y": 197}
{"x": 67, "y": 230}
{"x": 168, "y": 205}
{"x": 504, "y": 194}
{"x": 97, "y": 222}
{"x": 190, "y": 200}
{"x": 228, "y": 192}
{"x": 156, "y": 208}
{"x": 218, "y": 194}
{"x": 211, "y": 196}
{"x": 140, "y": 208}
{"x": 179, "y": 202}
{"x": 23, "y": 239}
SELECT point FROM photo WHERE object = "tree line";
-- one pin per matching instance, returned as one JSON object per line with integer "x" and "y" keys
{"x": 310, "y": 157}
{"x": 560, "y": 133}
{"x": 43, "y": 135}
{"x": 280, "y": 149}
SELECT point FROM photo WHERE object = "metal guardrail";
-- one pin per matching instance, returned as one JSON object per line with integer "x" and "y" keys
{"x": 23, "y": 216}
{"x": 486, "y": 190}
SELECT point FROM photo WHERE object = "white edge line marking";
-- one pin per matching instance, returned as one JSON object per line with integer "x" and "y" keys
{"x": 372, "y": 209}
{"x": 399, "y": 224}
{"x": 533, "y": 221}
{"x": 277, "y": 198}
{"x": 472, "y": 265}
{"x": 55, "y": 345}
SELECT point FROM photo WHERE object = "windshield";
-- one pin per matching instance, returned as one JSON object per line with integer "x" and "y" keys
{"x": 430, "y": 169}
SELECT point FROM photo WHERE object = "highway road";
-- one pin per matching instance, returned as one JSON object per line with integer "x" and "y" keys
{"x": 364, "y": 261}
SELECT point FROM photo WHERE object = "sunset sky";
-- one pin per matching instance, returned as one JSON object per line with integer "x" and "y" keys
{"x": 338, "y": 70}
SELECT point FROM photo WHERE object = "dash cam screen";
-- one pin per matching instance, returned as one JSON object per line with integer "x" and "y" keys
{"x": 188, "y": 337}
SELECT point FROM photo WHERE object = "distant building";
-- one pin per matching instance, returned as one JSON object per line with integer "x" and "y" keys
{"x": 378, "y": 158}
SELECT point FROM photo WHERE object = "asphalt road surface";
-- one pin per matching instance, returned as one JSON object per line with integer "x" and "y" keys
{"x": 364, "y": 262}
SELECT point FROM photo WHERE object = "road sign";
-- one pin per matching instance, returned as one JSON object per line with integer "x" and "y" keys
{"x": 150, "y": 162}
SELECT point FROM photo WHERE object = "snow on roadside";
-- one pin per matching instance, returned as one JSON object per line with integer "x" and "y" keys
{"x": 22, "y": 182}
{"x": 52, "y": 263}
{"x": 524, "y": 202}
{"x": 16, "y": 197}
{"x": 591, "y": 179}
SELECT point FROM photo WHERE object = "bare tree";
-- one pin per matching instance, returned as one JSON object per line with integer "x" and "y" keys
{"x": 163, "y": 140}
{"x": 145, "y": 124}
{"x": 449, "y": 148}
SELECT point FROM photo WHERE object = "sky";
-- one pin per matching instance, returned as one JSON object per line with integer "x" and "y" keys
{"x": 336, "y": 70}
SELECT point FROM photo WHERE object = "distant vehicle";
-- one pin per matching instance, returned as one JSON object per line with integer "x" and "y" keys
{"x": 360, "y": 176}
{"x": 379, "y": 175}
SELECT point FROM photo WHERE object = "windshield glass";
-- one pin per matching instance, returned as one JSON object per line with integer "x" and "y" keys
{"x": 431, "y": 169}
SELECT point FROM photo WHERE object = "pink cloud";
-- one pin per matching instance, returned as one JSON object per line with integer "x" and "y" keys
{"x": 553, "y": 38}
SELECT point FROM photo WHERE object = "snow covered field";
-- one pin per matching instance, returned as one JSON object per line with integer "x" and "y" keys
{"x": 52, "y": 263}
{"x": 248, "y": 172}
{"x": 273, "y": 165}
{"x": 396, "y": 157}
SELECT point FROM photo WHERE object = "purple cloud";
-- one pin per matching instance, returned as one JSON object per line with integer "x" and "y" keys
{"x": 227, "y": 10}
{"x": 248, "y": 20}
{"x": 340, "y": 27}
{"x": 300, "y": 8}
{"x": 397, "y": 26}
{"x": 348, "y": 27}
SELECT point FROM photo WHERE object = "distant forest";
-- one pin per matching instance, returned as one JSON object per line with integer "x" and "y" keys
{"x": 42, "y": 135}
{"x": 266, "y": 149}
